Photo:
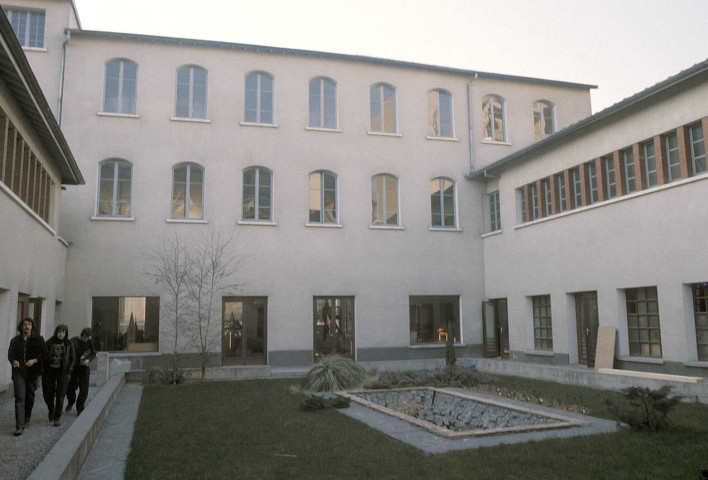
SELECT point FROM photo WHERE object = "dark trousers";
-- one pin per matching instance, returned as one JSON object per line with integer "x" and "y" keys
{"x": 79, "y": 378}
{"x": 54, "y": 383}
{"x": 24, "y": 398}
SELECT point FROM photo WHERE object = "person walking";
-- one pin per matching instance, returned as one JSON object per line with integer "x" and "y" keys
{"x": 85, "y": 352}
{"x": 25, "y": 355}
{"x": 57, "y": 370}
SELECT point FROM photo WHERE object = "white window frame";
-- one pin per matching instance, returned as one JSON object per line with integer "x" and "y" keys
{"x": 439, "y": 91}
{"x": 592, "y": 183}
{"x": 552, "y": 107}
{"x": 442, "y": 205}
{"x": 384, "y": 195}
{"x": 577, "y": 187}
{"x": 321, "y": 114}
{"x": 380, "y": 87}
{"x": 547, "y": 199}
{"x": 610, "y": 177}
{"x": 521, "y": 204}
{"x": 24, "y": 42}
{"x": 190, "y": 98}
{"x": 257, "y": 169}
{"x": 627, "y": 155}
{"x": 114, "y": 197}
{"x": 494, "y": 211}
{"x": 669, "y": 151}
{"x": 121, "y": 75}
{"x": 188, "y": 186}
{"x": 562, "y": 192}
{"x": 647, "y": 171}
{"x": 533, "y": 193}
{"x": 695, "y": 158}
{"x": 259, "y": 95}
{"x": 492, "y": 116}
{"x": 322, "y": 199}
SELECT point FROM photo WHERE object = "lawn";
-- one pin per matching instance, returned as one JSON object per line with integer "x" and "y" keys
{"x": 255, "y": 429}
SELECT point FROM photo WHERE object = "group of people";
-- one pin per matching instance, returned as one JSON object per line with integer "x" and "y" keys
{"x": 63, "y": 365}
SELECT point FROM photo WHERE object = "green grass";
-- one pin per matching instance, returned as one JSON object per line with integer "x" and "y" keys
{"x": 255, "y": 429}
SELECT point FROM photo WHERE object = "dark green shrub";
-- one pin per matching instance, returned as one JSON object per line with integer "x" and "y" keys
{"x": 451, "y": 376}
{"x": 313, "y": 403}
{"x": 643, "y": 408}
{"x": 333, "y": 373}
{"x": 165, "y": 376}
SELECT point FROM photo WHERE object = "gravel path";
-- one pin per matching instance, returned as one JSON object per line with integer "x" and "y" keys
{"x": 20, "y": 455}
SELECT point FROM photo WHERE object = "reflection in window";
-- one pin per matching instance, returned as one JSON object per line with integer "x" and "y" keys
{"x": 188, "y": 191}
{"x": 28, "y": 26}
{"x": 323, "y": 197}
{"x": 323, "y": 103}
{"x": 114, "y": 189}
{"x": 130, "y": 324}
{"x": 119, "y": 95}
{"x": 493, "y": 118}
{"x": 257, "y": 191}
{"x": 191, "y": 92}
{"x": 259, "y": 98}
{"x": 434, "y": 319}
{"x": 439, "y": 114}
{"x": 442, "y": 202}
{"x": 383, "y": 108}
{"x": 244, "y": 330}
{"x": 333, "y": 324}
{"x": 384, "y": 200}
{"x": 543, "y": 119}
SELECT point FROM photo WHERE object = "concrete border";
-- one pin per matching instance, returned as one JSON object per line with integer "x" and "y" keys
{"x": 65, "y": 459}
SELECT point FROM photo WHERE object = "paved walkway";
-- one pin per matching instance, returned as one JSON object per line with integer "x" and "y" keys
{"x": 108, "y": 458}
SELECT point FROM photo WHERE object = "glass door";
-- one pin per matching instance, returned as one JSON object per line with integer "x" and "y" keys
{"x": 333, "y": 326}
{"x": 243, "y": 339}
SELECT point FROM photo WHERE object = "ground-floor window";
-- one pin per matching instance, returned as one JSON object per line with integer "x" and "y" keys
{"x": 700, "y": 312}
{"x": 333, "y": 326}
{"x": 643, "y": 322}
{"x": 130, "y": 324}
{"x": 542, "y": 330}
{"x": 243, "y": 340}
{"x": 434, "y": 319}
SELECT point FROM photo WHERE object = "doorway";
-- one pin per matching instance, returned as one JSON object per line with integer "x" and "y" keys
{"x": 495, "y": 326}
{"x": 587, "y": 322}
{"x": 244, "y": 323}
{"x": 333, "y": 326}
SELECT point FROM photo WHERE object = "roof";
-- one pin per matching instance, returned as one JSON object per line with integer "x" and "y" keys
{"x": 611, "y": 113}
{"x": 186, "y": 42}
{"x": 17, "y": 74}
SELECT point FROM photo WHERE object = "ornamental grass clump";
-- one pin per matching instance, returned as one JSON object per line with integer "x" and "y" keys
{"x": 333, "y": 373}
{"x": 643, "y": 408}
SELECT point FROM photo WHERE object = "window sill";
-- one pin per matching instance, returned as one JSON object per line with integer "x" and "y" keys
{"x": 112, "y": 219}
{"x": 118, "y": 115}
{"x": 540, "y": 353}
{"x": 384, "y": 134}
{"x": 34, "y": 49}
{"x": 443, "y": 139}
{"x": 651, "y": 360}
{"x": 324, "y": 225}
{"x": 258, "y": 223}
{"x": 27, "y": 208}
{"x": 434, "y": 345}
{"x": 254, "y": 124}
{"x": 386, "y": 227}
{"x": 444, "y": 229}
{"x": 491, "y": 234}
{"x": 697, "y": 364}
{"x": 185, "y": 220}
{"x": 492, "y": 142}
{"x": 320, "y": 129}
{"x": 190, "y": 120}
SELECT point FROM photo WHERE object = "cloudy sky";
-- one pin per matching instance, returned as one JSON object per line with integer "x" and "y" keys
{"x": 623, "y": 46}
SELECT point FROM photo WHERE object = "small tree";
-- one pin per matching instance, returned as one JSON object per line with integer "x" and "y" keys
{"x": 644, "y": 408}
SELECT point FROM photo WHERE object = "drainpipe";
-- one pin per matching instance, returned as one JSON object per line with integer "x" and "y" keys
{"x": 67, "y": 37}
{"x": 469, "y": 121}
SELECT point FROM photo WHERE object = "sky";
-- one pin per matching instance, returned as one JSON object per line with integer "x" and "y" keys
{"x": 622, "y": 46}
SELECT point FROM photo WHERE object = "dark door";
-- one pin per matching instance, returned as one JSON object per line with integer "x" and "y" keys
{"x": 244, "y": 322}
{"x": 495, "y": 328}
{"x": 587, "y": 323}
{"x": 333, "y": 326}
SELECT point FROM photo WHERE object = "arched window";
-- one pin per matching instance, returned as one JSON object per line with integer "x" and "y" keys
{"x": 383, "y": 108}
{"x": 323, "y": 197}
{"x": 120, "y": 89}
{"x": 439, "y": 114}
{"x": 384, "y": 200}
{"x": 191, "y": 92}
{"x": 323, "y": 103}
{"x": 258, "y": 194}
{"x": 544, "y": 121}
{"x": 114, "y": 188}
{"x": 188, "y": 191}
{"x": 493, "y": 118}
{"x": 259, "y": 98}
{"x": 442, "y": 203}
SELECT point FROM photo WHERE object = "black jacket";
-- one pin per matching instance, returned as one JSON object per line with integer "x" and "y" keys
{"x": 83, "y": 350}
{"x": 22, "y": 351}
{"x": 68, "y": 359}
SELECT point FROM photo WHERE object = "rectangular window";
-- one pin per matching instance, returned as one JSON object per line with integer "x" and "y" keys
{"x": 700, "y": 312}
{"x": 630, "y": 177}
{"x": 494, "y": 212}
{"x": 643, "y": 322}
{"x": 534, "y": 201}
{"x": 592, "y": 182}
{"x": 521, "y": 202}
{"x": 560, "y": 184}
{"x": 546, "y": 187}
{"x": 28, "y": 26}
{"x": 672, "y": 156}
{"x": 128, "y": 324}
{"x": 610, "y": 177}
{"x": 649, "y": 163}
{"x": 542, "y": 330}
{"x": 434, "y": 319}
{"x": 577, "y": 188}
{"x": 698, "y": 148}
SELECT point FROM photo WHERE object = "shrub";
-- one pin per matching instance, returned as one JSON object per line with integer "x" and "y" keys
{"x": 313, "y": 403}
{"x": 165, "y": 376}
{"x": 644, "y": 408}
{"x": 332, "y": 373}
{"x": 451, "y": 376}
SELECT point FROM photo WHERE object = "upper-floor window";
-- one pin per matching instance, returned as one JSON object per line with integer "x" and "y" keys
{"x": 698, "y": 148}
{"x": 533, "y": 193}
{"x": 547, "y": 198}
{"x": 494, "y": 211}
{"x": 493, "y": 125}
{"x": 671, "y": 147}
{"x": 630, "y": 176}
{"x": 440, "y": 114}
{"x": 383, "y": 108}
{"x": 649, "y": 163}
{"x": 544, "y": 122}
{"x": 608, "y": 164}
{"x": 323, "y": 103}
{"x": 323, "y": 197}
{"x": 120, "y": 89}
{"x": 188, "y": 191}
{"x": 191, "y": 92}
{"x": 258, "y": 194}
{"x": 442, "y": 202}
{"x": 384, "y": 200}
{"x": 114, "y": 188}
{"x": 259, "y": 98}
{"x": 592, "y": 183}
{"x": 521, "y": 203}
{"x": 562, "y": 192}
{"x": 577, "y": 187}
{"x": 28, "y": 26}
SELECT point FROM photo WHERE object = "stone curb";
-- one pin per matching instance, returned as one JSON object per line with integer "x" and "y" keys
{"x": 65, "y": 459}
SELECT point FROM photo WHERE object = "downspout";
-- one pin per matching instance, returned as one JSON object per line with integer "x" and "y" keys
{"x": 67, "y": 37}
{"x": 469, "y": 121}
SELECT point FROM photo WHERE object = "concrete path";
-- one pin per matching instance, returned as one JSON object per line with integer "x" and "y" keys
{"x": 108, "y": 458}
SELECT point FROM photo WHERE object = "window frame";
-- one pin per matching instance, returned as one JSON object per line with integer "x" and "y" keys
{"x": 437, "y": 108}
{"x": 540, "y": 134}
{"x": 635, "y": 314}
{"x": 257, "y": 193}
{"x": 107, "y": 329}
{"x": 435, "y": 302}
{"x": 699, "y": 296}
{"x": 381, "y": 89}
{"x": 190, "y": 98}
{"x": 610, "y": 179}
{"x": 542, "y": 317}
{"x": 322, "y": 97}
{"x": 321, "y": 190}
{"x": 696, "y": 158}
{"x": 384, "y": 176}
{"x": 672, "y": 152}
{"x": 593, "y": 187}
{"x": 495, "y": 224}
{"x": 259, "y": 97}
{"x": 547, "y": 197}
{"x": 442, "y": 226}
{"x": 562, "y": 192}
{"x": 630, "y": 181}
{"x": 647, "y": 171}
{"x": 533, "y": 196}
{"x": 120, "y": 98}
{"x": 577, "y": 180}
{"x": 114, "y": 189}
{"x": 487, "y": 100}
{"x": 187, "y": 191}
{"x": 30, "y": 12}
